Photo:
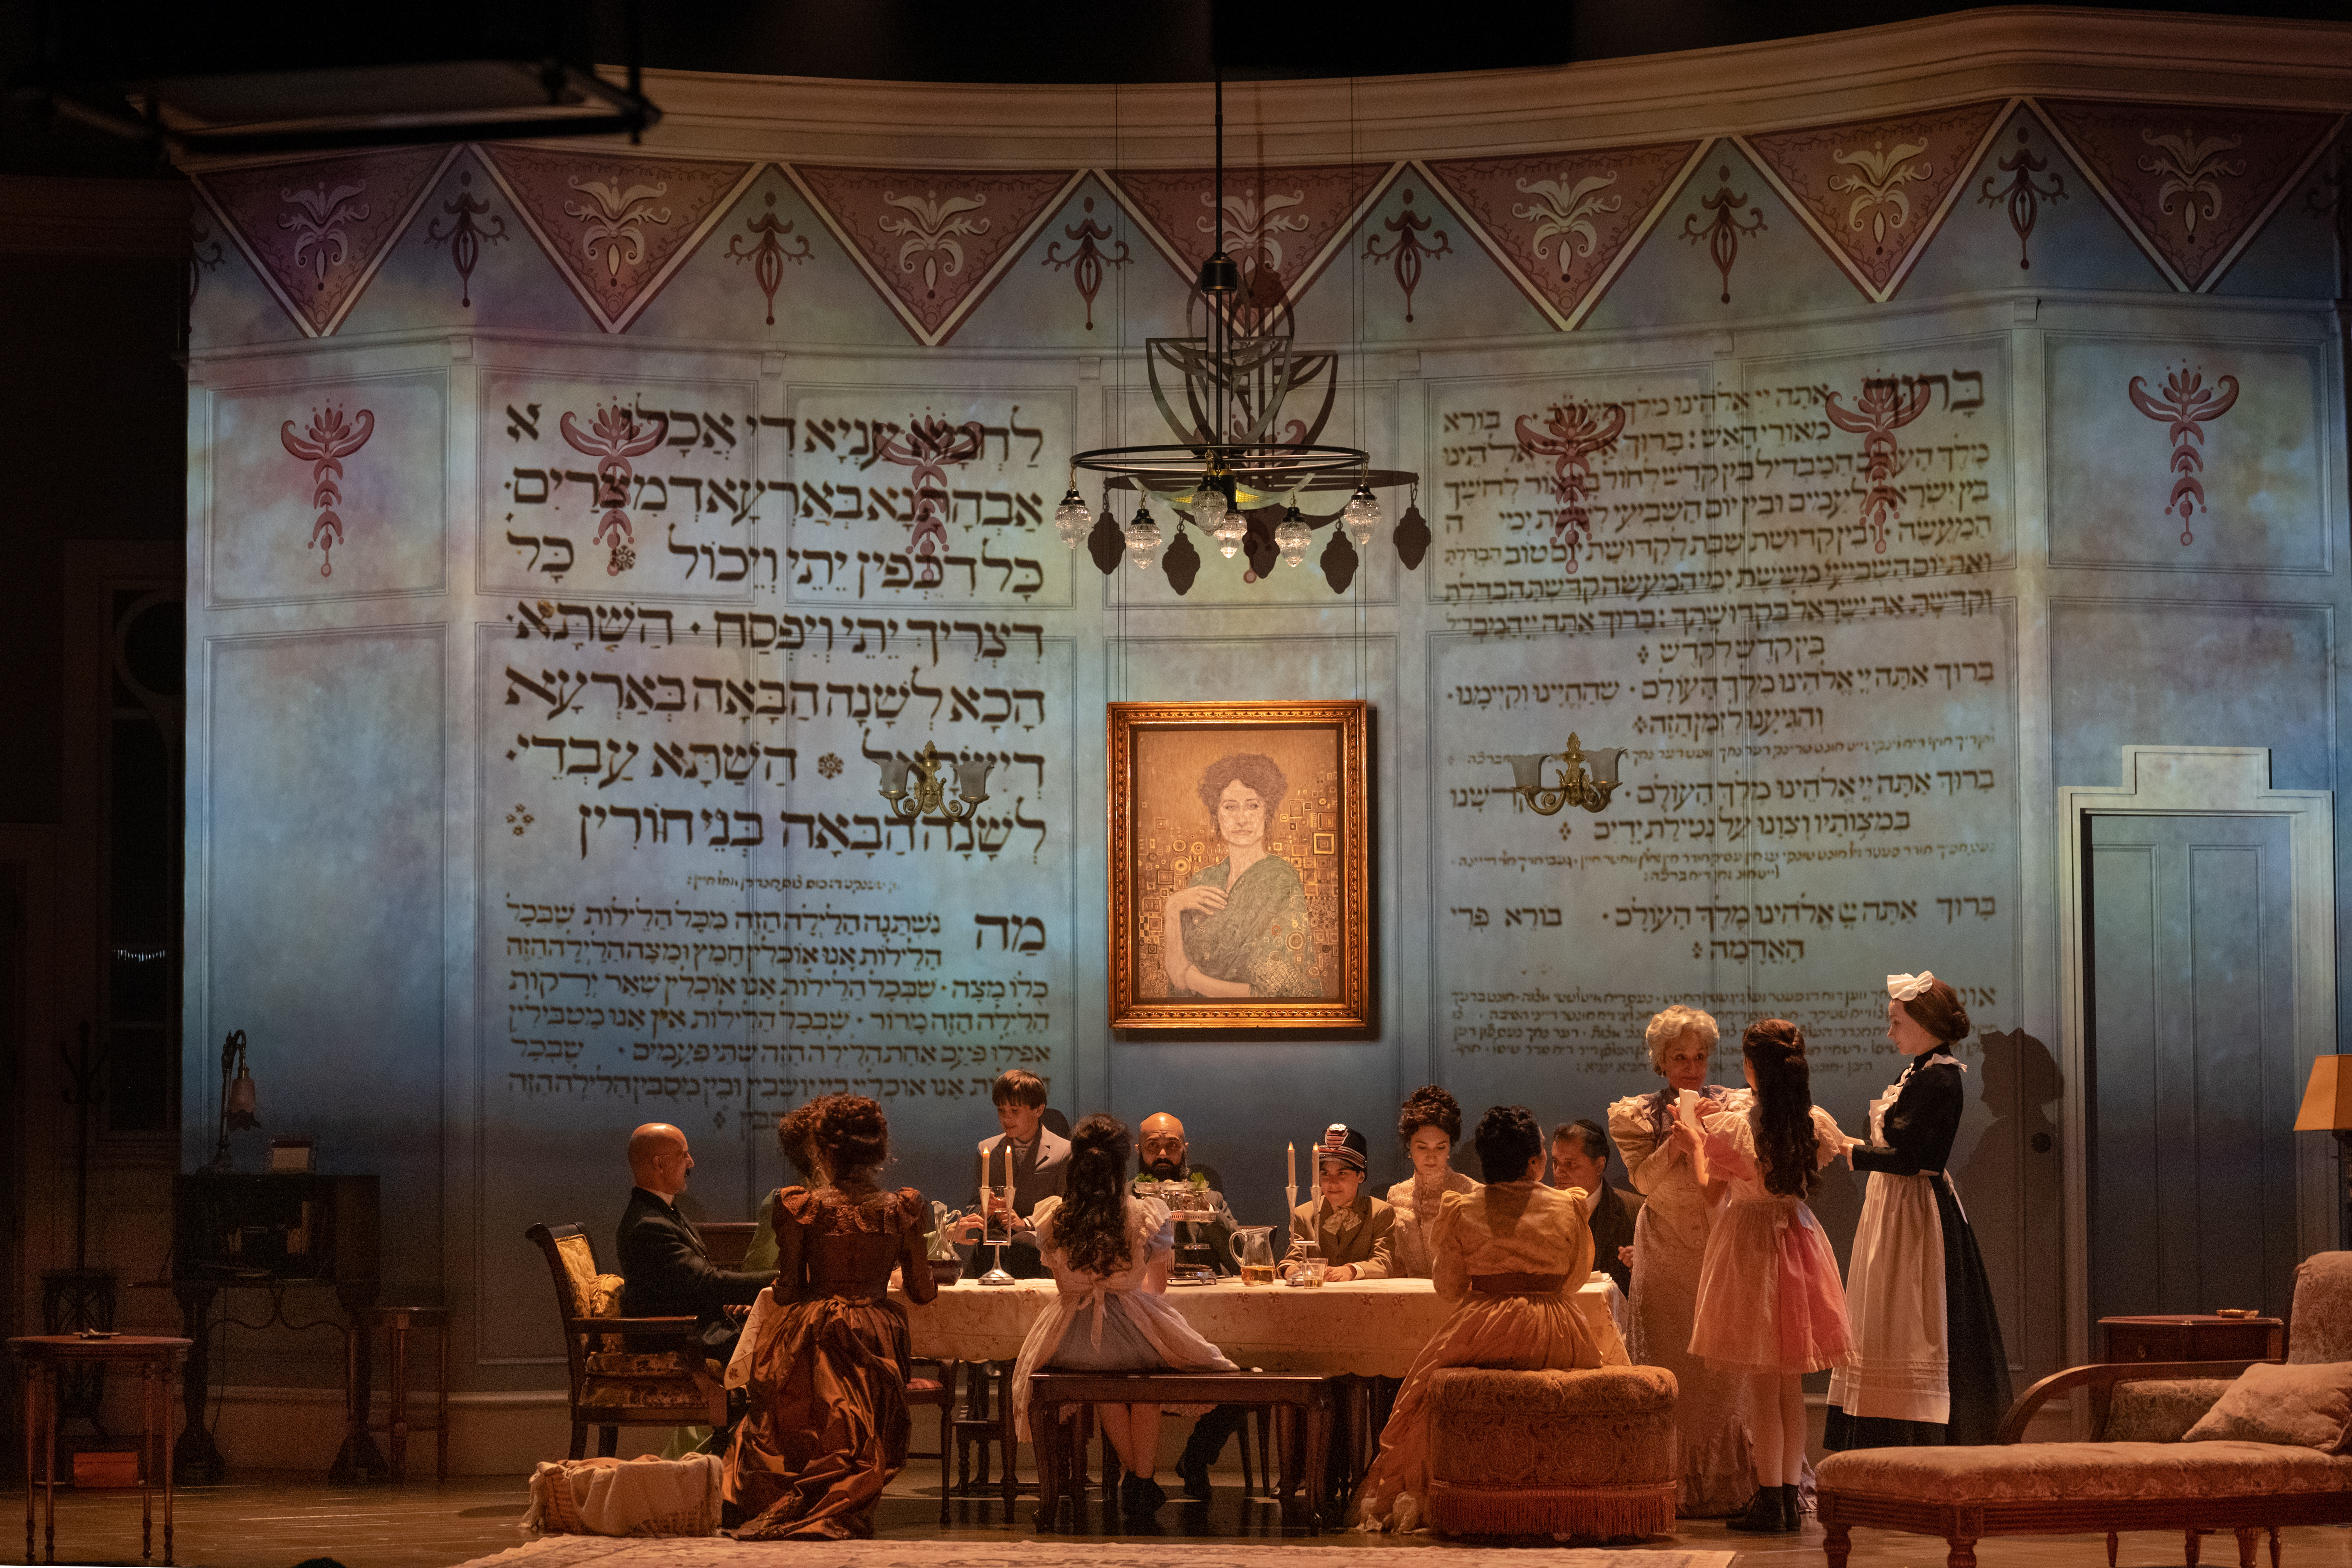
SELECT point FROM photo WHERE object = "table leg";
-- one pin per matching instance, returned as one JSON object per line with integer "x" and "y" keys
{"x": 48, "y": 1401}
{"x": 358, "y": 1459}
{"x": 1319, "y": 1448}
{"x": 199, "y": 1459}
{"x": 397, "y": 1327}
{"x": 1009, "y": 1440}
{"x": 168, "y": 1479}
{"x": 441, "y": 1433}
{"x": 147, "y": 1372}
{"x": 32, "y": 1429}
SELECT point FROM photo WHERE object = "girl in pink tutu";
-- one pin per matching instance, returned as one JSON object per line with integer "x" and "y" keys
{"x": 1770, "y": 1306}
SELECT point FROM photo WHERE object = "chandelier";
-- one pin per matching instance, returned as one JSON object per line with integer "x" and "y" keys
{"x": 1226, "y": 473}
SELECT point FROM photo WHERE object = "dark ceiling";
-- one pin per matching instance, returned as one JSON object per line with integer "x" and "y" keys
{"x": 93, "y": 52}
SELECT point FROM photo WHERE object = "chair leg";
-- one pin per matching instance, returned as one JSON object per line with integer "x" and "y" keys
{"x": 608, "y": 1443}
{"x": 2248, "y": 1534}
{"x": 579, "y": 1441}
{"x": 947, "y": 1435}
{"x": 1265, "y": 1453}
{"x": 2274, "y": 1546}
{"x": 1963, "y": 1553}
{"x": 2111, "y": 1549}
{"x": 1255, "y": 1416}
{"x": 1837, "y": 1541}
{"x": 2191, "y": 1547}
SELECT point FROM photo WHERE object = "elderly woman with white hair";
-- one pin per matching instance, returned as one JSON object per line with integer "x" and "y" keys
{"x": 1669, "y": 1243}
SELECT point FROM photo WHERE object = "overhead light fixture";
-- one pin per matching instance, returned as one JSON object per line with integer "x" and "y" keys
{"x": 1225, "y": 463}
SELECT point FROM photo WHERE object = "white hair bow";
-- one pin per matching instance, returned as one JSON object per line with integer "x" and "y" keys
{"x": 1904, "y": 988}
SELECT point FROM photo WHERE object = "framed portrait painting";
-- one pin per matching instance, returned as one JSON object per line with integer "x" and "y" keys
{"x": 1239, "y": 853}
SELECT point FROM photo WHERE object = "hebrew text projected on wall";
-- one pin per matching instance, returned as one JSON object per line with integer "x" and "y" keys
{"x": 638, "y": 486}
{"x": 1833, "y": 480}
{"x": 1805, "y": 810}
{"x": 923, "y": 496}
{"x": 1820, "y": 779}
{"x": 695, "y": 905}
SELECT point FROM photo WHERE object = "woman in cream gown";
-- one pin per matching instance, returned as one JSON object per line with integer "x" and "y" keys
{"x": 1669, "y": 1243}
{"x": 1428, "y": 1124}
{"x": 1511, "y": 1255}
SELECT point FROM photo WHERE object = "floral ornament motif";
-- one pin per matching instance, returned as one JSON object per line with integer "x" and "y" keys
{"x": 1565, "y": 212}
{"x": 619, "y": 213}
{"x": 2191, "y": 168}
{"x": 1884, "y": 408}
{"x": 204, "y": 255}
{"x": 1253, "y": 228}
{"x": 829, "y": 765}
{"x": 767, "y": 258}
{"x": 318, "y": 227}
{"x": 2023, "y": 193}
{"x": 615, "y": 437}
{"x": 1574, "y": 434}
{"x": 521, "y": 816}
{"x": 1877, "y": 182}
{"x": 2186, "y": 405}
{"x": 331, "y": 438}
{"x": 929, "y": 447}
{"x": 466, "y": 237}
{"x": 1086, "y": 263}
{"x": 936, "y": 228}
{"x": 1723, "y": 230}
{"x": 1405, "y": 256}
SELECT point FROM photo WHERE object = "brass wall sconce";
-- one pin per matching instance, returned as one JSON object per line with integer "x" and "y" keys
{"x": 1587, "y": 778}
{"x": 915, "y": 789}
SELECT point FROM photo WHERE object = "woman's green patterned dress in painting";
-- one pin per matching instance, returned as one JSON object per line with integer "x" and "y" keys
{"x": 1262, "y": 937}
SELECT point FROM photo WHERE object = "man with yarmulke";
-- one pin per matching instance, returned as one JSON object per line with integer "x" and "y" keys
{"x": 1349, "y": 1227}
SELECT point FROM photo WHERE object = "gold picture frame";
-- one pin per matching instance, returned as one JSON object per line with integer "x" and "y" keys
{"x": 1286, "y": 943}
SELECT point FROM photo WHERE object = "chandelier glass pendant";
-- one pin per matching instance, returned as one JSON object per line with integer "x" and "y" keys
{"x": 1225, "y": 473}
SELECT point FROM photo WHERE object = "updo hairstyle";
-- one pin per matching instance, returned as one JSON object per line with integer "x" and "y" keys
{"x": 1938, "y": 1010}
{"x": 1508, "y": 1137}
{"x": 795, "y": 1133}
{"x": 1672, "y": 1024}
{"x": 849, "y": 1136}
{"x": 1430, "y": 1106}
{"x": 1254, "y": 769}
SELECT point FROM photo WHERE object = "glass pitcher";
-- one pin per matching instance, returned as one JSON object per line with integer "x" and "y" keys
{"x": 1253, "y": 1251}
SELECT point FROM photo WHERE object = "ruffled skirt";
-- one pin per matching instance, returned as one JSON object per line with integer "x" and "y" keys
{"x": 1110, "y": 1330}
{"x": 1769, "y": 1297}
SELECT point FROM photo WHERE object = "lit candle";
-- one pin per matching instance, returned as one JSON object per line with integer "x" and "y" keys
{"x": 1291, "y": 1150}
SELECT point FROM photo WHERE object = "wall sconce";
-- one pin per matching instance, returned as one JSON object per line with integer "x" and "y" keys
{"x": 1587, "y": 778}
{"x": 239, "y": 1104}
{"x": 915, "y": 789}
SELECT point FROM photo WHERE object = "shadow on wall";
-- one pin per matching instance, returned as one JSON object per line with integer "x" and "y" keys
{"x": 2013, "y": 1169}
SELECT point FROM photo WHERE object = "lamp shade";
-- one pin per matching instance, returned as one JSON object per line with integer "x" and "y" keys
{"x": 2328, "y": 1098}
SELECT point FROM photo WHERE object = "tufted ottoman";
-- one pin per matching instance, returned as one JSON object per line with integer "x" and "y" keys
{"x": 2042, "y": 1488}
{"x": 1552, "y": 1453}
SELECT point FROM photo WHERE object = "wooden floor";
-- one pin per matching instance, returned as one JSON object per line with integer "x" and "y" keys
{"x": 276, "y": 1519}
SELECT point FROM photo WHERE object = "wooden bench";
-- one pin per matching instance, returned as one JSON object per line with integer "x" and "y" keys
{"x": 1301, "y": 1406}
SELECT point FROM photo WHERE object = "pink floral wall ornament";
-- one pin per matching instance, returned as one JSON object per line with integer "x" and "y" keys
{"x": 1573, "y": 434}
{"x": 1087, "y": 262}
{"x": 2023, "y": 195}
{"x": 1408, "y": 253}
{"x": 930, "y": 446}
{"x": 1886, "y": 407}
{"x": 466, "y": 237}
{"x": 331, "y": 438}
{"x": 1723, "y": 231}
{"x": 767, "y": 257}
{"x": 2186, "y": 407}
{"x": 617, "y": 435}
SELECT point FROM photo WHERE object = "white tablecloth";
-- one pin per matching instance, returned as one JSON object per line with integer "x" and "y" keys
{"x": 1368, "y": 1327}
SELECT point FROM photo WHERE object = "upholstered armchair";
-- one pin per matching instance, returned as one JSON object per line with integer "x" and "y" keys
{"x": 613, "y": 1387}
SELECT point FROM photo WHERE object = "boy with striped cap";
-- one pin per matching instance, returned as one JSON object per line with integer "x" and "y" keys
{"x": 1349, "y": 1227}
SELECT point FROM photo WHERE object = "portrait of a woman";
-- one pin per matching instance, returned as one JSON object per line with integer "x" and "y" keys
{"x": 1240, "y": 927}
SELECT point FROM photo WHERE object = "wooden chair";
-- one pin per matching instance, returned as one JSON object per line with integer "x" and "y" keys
{"x": 613, "y": 1387}
{"x": 938, "y": 1393}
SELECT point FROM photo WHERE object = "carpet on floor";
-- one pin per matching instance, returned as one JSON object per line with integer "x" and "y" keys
{"x": 715, "y": 1552}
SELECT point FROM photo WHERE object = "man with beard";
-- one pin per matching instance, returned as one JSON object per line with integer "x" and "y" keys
{"x": 1165, "y": 1156}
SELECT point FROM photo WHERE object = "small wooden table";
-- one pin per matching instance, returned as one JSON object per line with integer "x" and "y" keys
{"x": 157, "y": 1359}
{"x": 2193, "y": 1336}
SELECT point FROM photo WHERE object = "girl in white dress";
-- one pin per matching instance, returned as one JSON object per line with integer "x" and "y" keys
{"x": 1110, "y": 1253}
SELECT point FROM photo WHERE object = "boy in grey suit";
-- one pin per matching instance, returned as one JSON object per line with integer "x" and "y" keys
{"x": 1040, "y": 1165}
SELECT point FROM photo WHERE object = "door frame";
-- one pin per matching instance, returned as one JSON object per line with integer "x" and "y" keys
{"x": 2198, "y": 781}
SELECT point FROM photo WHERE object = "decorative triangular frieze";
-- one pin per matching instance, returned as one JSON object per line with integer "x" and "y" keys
{"x": 316, "y": 230}
{"x": 1873, "y": 191}
{"x": 2192, "y": 183}
{"x": 1286, "y": 222}
{"x": 934, "y": 241}
{"x": 1563, "y": 225}
{"x": 617, "y": 227}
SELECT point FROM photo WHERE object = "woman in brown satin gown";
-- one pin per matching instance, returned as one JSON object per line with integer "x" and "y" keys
{"x": 823, "y": 1357}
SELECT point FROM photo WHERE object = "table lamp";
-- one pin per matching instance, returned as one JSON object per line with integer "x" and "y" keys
{"x": 2327, "y": 1108}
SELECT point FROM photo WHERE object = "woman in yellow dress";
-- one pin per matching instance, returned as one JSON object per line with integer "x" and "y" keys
{"x": 1512, "y": 1256}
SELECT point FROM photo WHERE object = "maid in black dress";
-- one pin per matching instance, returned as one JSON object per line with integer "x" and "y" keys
{"x": 1930, "y": 1367}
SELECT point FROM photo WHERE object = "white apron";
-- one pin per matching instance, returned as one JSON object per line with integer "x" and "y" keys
{"x": 1895, "y": 1299}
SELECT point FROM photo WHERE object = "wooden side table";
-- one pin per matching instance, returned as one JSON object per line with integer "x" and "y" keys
{"x": 398, "y": 1322}
{"x": 2193, "y": 1336}
{"x": 157, "y": 1359}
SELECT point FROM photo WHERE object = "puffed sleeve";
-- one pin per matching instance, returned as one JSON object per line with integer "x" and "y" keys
{"x": 1448, "y": 1271}
{"x": 1729, "y": 1142}
{"x": 1041, "y": 1220}
{"x": 1639, "y": 1143}
{"x": 1155, "y": 1227}
{"x": 1920, "y": 1124}
{"x": 1829, "y": 1139}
